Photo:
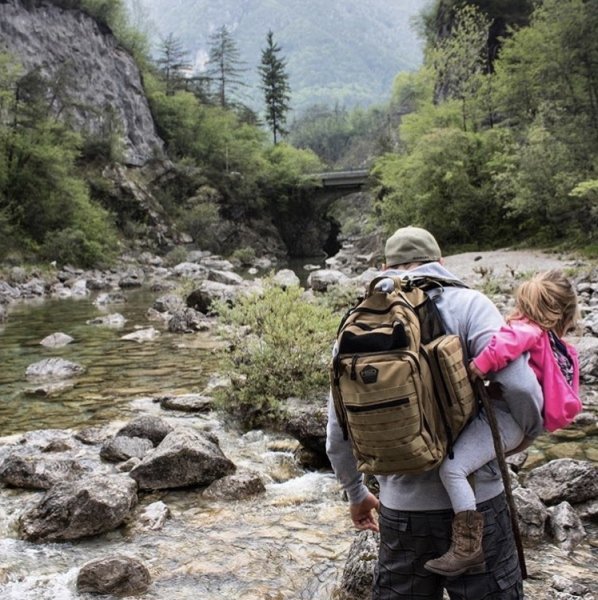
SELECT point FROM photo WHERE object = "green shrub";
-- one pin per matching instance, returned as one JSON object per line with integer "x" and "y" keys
{"x": 72, "y": 246}
{"x": 285, "y": 353}
{"x": 246, "y": 256}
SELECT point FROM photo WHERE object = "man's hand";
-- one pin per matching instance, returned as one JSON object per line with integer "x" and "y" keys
{"x": 362, "y": 514}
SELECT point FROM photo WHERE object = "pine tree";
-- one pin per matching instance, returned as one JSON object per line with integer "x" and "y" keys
{"x": 224, "y": 64}
{"x": 173, "y": 63}
{"x": 275, "y": 85}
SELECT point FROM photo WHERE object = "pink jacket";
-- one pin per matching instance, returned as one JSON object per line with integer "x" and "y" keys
{"x": 561, "y": 400}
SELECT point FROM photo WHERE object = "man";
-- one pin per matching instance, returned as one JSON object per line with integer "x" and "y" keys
{"x": 414, "y": 510}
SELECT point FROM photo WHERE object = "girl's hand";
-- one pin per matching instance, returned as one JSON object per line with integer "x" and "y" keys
{"x": 475, "y": 372}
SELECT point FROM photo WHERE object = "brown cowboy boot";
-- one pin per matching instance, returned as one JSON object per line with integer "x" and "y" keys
{"x": 466, "y": 550}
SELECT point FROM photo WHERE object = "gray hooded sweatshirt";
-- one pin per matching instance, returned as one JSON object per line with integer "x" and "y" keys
{"x": 474, "y": 318}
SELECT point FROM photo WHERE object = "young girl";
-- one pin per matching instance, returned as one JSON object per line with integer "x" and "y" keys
{"x": 545, "y": 310}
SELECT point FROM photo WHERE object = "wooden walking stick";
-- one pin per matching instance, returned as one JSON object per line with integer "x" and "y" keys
{"x": 482, "y": 393}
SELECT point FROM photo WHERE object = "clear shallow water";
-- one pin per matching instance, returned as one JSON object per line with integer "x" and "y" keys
{"x": 116, "y": 370}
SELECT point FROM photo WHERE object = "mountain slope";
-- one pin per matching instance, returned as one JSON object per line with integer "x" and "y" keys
{"x": 345, "y": 51}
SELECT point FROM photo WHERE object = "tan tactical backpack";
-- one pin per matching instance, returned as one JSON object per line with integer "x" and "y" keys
{"x": 399, "y": 383}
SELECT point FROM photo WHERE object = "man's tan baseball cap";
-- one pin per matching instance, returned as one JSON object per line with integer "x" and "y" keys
{"x": 411, "y": 244}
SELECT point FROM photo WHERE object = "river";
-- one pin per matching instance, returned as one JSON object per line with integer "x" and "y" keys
{"x": 289, "y": 543}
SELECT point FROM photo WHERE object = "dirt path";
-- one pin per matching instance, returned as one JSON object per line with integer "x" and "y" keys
{"x": 499, "y": 263}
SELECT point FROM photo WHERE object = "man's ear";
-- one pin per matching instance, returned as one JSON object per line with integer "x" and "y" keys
{"x": 441, "y": 260}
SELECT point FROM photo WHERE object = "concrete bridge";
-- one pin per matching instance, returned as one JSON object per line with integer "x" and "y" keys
{"x": 347, "y": 181}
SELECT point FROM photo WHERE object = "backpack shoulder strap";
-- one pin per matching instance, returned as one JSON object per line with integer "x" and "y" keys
{"x": 428, "y": 282}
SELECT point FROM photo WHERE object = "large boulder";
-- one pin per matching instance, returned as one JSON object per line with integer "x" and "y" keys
{"x": 116, "y": 575}
{"x": 564, "y": 479}
{"x": 38, "y": 472}
{"x": 185, "y": 457}
{"x": 73, "y": 510}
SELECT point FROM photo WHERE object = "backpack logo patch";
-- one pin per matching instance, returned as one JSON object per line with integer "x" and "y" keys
{"x": 369, "y": 374}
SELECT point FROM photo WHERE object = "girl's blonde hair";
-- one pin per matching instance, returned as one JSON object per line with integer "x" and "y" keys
{"x": 549, "y": 300}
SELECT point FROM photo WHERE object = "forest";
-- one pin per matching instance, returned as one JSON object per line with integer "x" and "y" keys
{"x": 493, "y": 141}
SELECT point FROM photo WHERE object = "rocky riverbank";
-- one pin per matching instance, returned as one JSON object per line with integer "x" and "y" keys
{"x": 91, "y": 482}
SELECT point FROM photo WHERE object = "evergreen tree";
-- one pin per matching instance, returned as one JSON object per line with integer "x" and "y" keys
{"x": 275, "y": 85}
{"x": 173, "y": 63}
{"x": 224, "y": 64}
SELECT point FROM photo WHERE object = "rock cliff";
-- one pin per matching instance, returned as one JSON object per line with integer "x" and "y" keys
{"x": 105, "y": 79}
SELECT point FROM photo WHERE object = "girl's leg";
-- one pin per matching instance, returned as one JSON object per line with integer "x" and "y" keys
{"x": 473, "y": 449}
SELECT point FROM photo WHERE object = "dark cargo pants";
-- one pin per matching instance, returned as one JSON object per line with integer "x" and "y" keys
{"x": 408, "y": 539}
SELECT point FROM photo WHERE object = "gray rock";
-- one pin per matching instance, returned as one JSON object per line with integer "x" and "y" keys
{"x": 322, "y": 279}
{"x": 142, "y": 335}
{"x": 588, "y": 510}
{"x": 154, "y": 515}
{"x": 532, "y": 514}
{"x": 118, "y": 575}
{"x": 286, "y": 278}
{"x": 235, "y": 487}
{"x": 79, "y": 288}
{"x": 73, "y": 510}
{"x": 54, "y": 368}
{"x": 185, "y": 457}
{"x": 2, "y": 313}
{"x": 216, "y": 262}
{"x": 564, "y": 479}
{"x": 122, "y": 447}
{"x": 587, "y": 348}
{"x": 168, "y": 303}
{"x": 358, "y": 574}
{"x": 110, "y": 298}
{"x": 187, "y": 320}
{"x": 8, "y": 293}
{"x": 565, "y": 527}
{"x": 204, "y": 296}
{"x": 149, "y": 427}
{"x": 92, "y": 435}
{"x": 516, "y": 461}
{"x": 132, "y": 279}
{"x": 38, "y": 472}
{"x": 190, "y": 270}
{"x": 227, "y": 277}
{"x": 56, "y": 340}
{"x": 187, "y": 403}
{"x": 562, "y": 584}
{"x": 309, "y": 428}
